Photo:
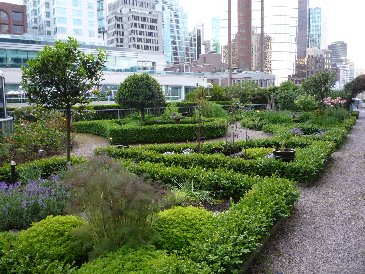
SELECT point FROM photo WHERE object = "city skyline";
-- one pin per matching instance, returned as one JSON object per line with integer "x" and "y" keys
{"x": 341, "y": 26}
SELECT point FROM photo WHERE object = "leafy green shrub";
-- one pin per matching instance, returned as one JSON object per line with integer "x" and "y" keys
{"x": 5, "y": 153}
{"x": 143, "y": 260}
{"x": 256, "y": 153}
{"x": 22, "y": 205}
{"x": 179, "y": 226}
{"x": 132, "y": 134}
{"x": 239, "y": 231}
{"x": 116, "y": 204}
{"x": 47, "y": 244}
{"x": 42, "y": 168}
{"x": 306, "y": 102}
{"x": 213, "y": 110}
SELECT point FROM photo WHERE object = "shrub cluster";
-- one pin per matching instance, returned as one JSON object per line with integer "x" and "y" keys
{"x": 131, "y": 134}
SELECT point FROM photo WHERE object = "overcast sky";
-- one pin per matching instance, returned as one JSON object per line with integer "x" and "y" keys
{"x": 345, "y": 20}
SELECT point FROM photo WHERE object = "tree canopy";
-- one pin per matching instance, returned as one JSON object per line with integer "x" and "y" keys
{"x": 356, "y": 86}
{"x": 140, "y": 91}
{"x": 62, "y": 76}
{"x": 320, "y": 84}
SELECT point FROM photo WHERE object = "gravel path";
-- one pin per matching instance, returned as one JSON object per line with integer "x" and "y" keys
{"x": 326, "y": 233}
{"x": 85, "y": 144}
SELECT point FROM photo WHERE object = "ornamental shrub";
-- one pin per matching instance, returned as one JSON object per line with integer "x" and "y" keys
{"x": 306, "y": 102}
{"x": 143, "y": 260}
{"x": 45, "y": 247}
{"x": 21, "y": 205}
{"x": 179, "y": 226}
{"x": 117, "y": 205}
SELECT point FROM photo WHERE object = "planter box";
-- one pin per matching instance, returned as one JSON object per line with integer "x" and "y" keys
{"x": 286, "y": 155}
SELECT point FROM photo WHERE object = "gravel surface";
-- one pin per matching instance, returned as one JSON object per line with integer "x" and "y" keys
{"x": 85, "y": 144}
{"x": 326, "y": 233}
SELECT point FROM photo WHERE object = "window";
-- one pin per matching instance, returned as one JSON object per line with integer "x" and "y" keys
{"x": 76, "y": 3}
{"x": 77, "y": 13}
{"x": 49, "y": 32}
{"x": 61, "y": 30}
{"x": 4, "y": 16}
{"x": 18, "y": 29}
{"x": 47, "y": 5}
{"x": 4, "y": 28}
{"x": 17, "y": 16}
{"x": 61, "y": 20}
{"x": 60, "y": 11}
{"x": 48, "y": 23}
{"x": 77, "y": 22}
{"x": 78, "y": 32}
{"x": 90, "y": 6}
{"x": 48, "y": 14}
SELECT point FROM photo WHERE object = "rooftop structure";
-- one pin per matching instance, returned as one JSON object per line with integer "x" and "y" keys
{"x": 13, "y": 18}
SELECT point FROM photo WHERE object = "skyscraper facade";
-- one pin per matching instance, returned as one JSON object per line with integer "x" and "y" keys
{"x": 339, "y": 52}
{"x": 317, "y": 28}
{"x": 216, "y": 34}
{"x": 134, "y": 24}
{"x": 277, "y": 22}
{"x": 101, "y": 14}
{"x": 60, "y": 19}
{"x": 194, "y": 44}
{"x": 175, "y": 30}
{"x": 302, "y": 32}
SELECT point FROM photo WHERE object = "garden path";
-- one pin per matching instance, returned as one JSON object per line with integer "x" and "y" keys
{"x": 326, "y": 233}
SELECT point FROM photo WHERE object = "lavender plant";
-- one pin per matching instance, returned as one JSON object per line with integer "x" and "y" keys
{"x": 21, "y": 205}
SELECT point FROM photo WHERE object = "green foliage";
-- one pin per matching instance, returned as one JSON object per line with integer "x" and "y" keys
{"x": 42, "y": 168}
{"x": 140, "y": 91}
{"x": 285, "y": 95}
{"x": 171, "y": 112}
{"x": 132, "y": 134}
{"x": 143, "y": 260}
{"x": 247, "y": 93}
{"x": 356, "y": 86}
{"x": 257, "y": 152}
{"x": 21, "y": 205}
{"x": 239, "y": 231}
{"x": 116, "y": 204}
{"x": 320, "y": 84}
{"x": 45, "y": 247}
{"x": 62, "y": 76}
{"x": 178, "y": 227}
{"x": 213, "y": 110}
{"x": 306, "y": 103}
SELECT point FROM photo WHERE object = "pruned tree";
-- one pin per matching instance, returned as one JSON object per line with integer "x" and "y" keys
{"x": 140, "y": 91}
{"x": 61, "y": 77}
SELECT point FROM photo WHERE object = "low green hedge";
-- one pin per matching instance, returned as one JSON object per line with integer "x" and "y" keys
{"x": 222, "y": 183}
{"x": 130, "y": 134}
{"x": 239, "y": 231}
{"x": 44, "y": 167}
{"x": 308, "y": 162}
{"x": 143, "y": 260}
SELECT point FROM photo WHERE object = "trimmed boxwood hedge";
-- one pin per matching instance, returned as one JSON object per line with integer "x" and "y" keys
{"x": 308, "y": 162}
{"x": 46, "y": 167}
{"x": 130, "y": 134}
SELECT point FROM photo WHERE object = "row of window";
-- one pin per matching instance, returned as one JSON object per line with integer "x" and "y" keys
{"x": 17, "y": 29}
{"x": 15, "y": 15}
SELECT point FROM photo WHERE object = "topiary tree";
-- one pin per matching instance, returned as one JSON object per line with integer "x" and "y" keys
{"x": 140, "y": 91}
{"x": 62, "y": 76}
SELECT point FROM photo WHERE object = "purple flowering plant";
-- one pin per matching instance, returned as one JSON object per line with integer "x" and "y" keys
{"x": 21, "y": 205}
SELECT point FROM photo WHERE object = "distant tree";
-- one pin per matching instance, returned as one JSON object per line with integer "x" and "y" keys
{"x": 285, "y": 95}
{"x": 247, "y": 93}
{"x": 356, "y": 86}
{"x": 62, "y": 76}
{"x": 140, "y": 91}
{"x": 216, "y": 93}
{"x": 320, "y": 84}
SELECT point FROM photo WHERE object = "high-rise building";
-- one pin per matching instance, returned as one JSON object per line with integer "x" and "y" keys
{"x": 134, "y": 24}
{"x": 317, "y": 60}
{"x": 13, "y": 19}
{"x": 317, "y": 28}
{"x": 101, "y": 14}
{"x": 244, "y": 35}
{"x": 302, "y": 32}
{"x": 194, "y": 44}
{"x": 63, "y": 18}
{"x": 339, "y": 52}
{"x": 175, "y": 31}
{"x": 216, "y": 34}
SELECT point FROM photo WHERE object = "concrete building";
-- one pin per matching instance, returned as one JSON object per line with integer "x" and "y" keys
{"x": 13, "y": 19}
{"x": 318, "y": 60}
{"x": 194, "y": 44}
{"x": 262, "y": 79}
{"x": 317, "y": 32}
{"x": 276, "y": 19}
{"x": 134, "y": 24}
{"x": 175, "y": 30}
{"x": 339, "y": 52}
{"x": 60, "y": 19}
{"x": 302, "y": 32}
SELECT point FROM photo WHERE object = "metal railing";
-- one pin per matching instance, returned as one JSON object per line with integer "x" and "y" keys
{"x": 7, "y": 126}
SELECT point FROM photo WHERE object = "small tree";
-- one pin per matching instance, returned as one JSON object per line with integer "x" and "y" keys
{"x": 320, "y": 84}
{"x": 140, "y": 91}
{"x": 61, "y": 76}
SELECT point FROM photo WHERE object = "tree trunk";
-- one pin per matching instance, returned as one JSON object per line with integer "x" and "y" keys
{"x": 142, "y": 115}
{"x": 68, "y": 134}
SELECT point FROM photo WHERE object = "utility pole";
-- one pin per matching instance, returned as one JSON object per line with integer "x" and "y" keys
{"x": 229, "y": 42}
